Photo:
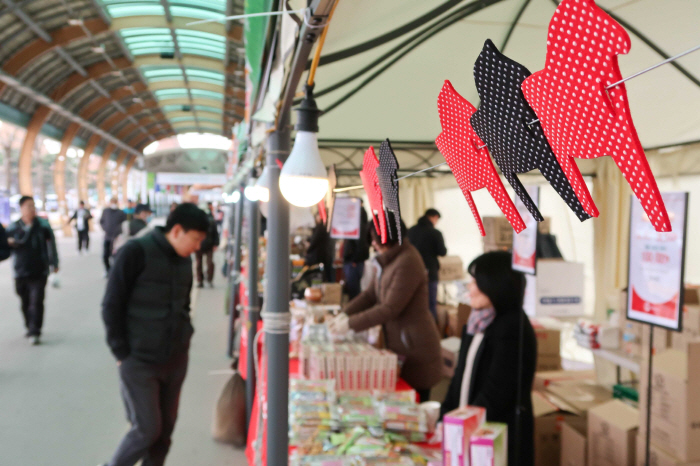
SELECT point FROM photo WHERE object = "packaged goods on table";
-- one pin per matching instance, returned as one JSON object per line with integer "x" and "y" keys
{"x": 458, "y": 426}
{"x": 489, "y": 445}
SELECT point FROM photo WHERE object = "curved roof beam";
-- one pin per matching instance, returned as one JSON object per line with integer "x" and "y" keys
{"x": 94, "y": 72}
{"x": 175, "y": 84}
{"x": 60, "y": 37}
{"x": 187, "y": 60}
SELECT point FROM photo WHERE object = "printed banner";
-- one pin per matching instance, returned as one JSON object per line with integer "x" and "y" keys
{"x": 656, "y": 262}
{"x": 345, "y": 220}
{"x": 525, "y": 242}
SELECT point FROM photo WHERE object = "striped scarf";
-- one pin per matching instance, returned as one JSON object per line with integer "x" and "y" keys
{"x": 479, "y": 320}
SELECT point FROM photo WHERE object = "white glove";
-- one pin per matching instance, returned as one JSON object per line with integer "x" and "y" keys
{"x": 340, "y": 324}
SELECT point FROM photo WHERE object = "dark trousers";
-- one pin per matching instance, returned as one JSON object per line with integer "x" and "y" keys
{"x": 151, "y": 394}
{"x": 83, "y": 239}
{"x": 432, "y": 297}
{"x": 353, "y": 276}
{"x": 107, "y": 253}
{"x": 210, "y": 265}
{"x": 31, "y": 292}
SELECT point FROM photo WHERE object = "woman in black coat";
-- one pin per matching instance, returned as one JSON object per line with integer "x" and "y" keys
{"x": 502, "y": 331}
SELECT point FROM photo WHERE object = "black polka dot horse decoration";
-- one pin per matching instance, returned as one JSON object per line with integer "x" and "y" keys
{"x": 330, "y": 197}
{"x": 368, "y": 175}
{"x": 583, "y": 107}
{"x": 504, "y": 122}
{"x": 468, "y": 158}
{"x": 389, "y": 184}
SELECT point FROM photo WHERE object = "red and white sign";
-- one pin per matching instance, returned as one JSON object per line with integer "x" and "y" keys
{"x": 525, "y": 242}
{"x": 345, "y": 223}
{"x": 656, "y": 263}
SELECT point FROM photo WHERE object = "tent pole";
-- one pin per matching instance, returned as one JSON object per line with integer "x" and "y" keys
{"x": 277, "y": 292}
{"x": 235, "y": 274}
{"x": 253, "y": 303}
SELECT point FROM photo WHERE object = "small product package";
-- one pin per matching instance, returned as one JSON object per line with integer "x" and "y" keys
{"x": 459, "y": 425}
{"x": 489, "y": 445}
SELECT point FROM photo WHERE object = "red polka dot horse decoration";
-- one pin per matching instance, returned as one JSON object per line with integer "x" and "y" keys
{"x": 370, "y": 181}
{"x": 471, "y": 166}
{"x": 584, "y": 116}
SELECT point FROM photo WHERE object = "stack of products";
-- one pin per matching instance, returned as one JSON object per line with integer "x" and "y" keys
{"x": 354, "y": 365}
{"x": 356, "y": 428}
{"x": 470, "y": 441}
{"x": 596, "y": 336}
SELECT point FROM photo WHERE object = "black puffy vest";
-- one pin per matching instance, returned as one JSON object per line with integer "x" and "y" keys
{"x": 158, "y": 321}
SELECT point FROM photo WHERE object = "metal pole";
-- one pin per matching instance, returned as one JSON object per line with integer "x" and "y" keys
{"x": 649, "y": 378}
{"x": 277, "y": 299}
{"x": 235, "y": 270}
{"x": 253, "y": 303}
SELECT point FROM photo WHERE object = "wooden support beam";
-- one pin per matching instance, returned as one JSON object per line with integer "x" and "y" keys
{"x": 125, "y": 179}
{"x": 25, "y": 155}
{"x": 83, "y": 168}
{"x": 59, "y": 176}
{"x": 101, "y": 201}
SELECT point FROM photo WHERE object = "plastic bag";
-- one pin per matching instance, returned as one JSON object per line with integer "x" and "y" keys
{"x": 54, "y": 280}
{"x": 229, "y": 424}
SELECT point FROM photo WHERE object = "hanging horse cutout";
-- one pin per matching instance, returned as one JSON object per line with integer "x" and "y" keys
{"x": 503, "y": 122}
{"x": 584, "y": 109}
{"x": 389, "y": 184}
{"x": 471, "y": 166}
{"x": 368, "y": 175}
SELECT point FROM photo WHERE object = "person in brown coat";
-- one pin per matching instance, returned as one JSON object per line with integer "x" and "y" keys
{"x": 397, "y": 299}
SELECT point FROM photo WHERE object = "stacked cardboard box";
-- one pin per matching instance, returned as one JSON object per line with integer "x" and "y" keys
{"x": 675, "y": 406}
{"x": 574, "y": 442}
{"x": 550, "y": 414}
{"x": 612, "y": 432}
{"x": 499, "y": 232}
{"x": 451, "y": 269}
{"x": 691, "y": 320}
{"x": 548, "y": 348}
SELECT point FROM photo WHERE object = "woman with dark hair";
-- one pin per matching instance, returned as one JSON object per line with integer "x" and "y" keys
{"x": 498, "y": 355}
{"x": 397, "y": 299}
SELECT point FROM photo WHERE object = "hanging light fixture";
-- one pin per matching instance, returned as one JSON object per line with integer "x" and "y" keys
{"x": 303, "y": 179}
{"x": 263, "y": 185}
{"x": 250, "y": 191}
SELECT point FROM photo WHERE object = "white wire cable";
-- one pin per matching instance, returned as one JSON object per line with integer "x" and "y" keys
{"x": 250, "y": 15}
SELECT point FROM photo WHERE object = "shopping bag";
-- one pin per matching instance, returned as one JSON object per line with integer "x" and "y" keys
{"x": 54, "y": 280}
{"x": 229, "y": 415}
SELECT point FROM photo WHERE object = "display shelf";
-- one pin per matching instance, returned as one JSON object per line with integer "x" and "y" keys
{"x": 620, "y": 359}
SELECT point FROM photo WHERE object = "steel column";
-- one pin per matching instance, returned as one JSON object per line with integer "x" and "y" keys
{"x": 253, "y": 302}
{"x": 234, "y": 276}
{"x": 277, "y": 293}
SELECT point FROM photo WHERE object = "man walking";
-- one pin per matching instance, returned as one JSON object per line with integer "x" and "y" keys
{"x": 355, "y": 253}
{"x": 82, "y": 217}
{"x": 146, "y": 311}
{"x": 111, "y": 222}
{"x": 207, "y": 249}
{"x": 136, "y": 227}
{"x": 430, "y": 243}
{"x": 35, "y": 252}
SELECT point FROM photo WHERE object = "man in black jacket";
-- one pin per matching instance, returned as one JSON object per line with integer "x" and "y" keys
{"x": 321, "y": 250}
{"x": 431, "y": 245}
{"x": 111, "y": 222}
{"x": 209, "y": 245}
{"x": 82, "y": 217}
{"x": 355, "y": 253}
{"x": 35, "y": 252}
{"x": 146, "y": 311}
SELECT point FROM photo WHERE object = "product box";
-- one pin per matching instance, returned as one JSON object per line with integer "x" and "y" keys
{"x": 498, "y": 230}
{"x": 545, "y": 378}
{"x": 574, "y": 442}
{"x": 675, "y": 404}
{"x": 581, "y": 395}
{"x": 548, "y": 363}
{"x": 657, "y": 457}
{"x": 332, "y": 293}
{"x": 450, "y": 352}
{"x": 451, "y": 269}
{"x": 457, "y": 318}
{"x": 556, "y": 290}
{"x": 548, "y": 340}
{"x": 550, "y": 414}
{"x": 458, "y": 427}
{"x": 489, "y": 445}
{"x": 612, "y": 432}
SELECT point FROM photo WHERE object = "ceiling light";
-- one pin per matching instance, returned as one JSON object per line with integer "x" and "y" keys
{"x": 137, "y": 100}
{"x": 251, "y": 191}
{"x": 75, "y": 22}
{"x": 99, "y": 49}
{"x": 71, "y": 153}
{"x": 304, "y": 179}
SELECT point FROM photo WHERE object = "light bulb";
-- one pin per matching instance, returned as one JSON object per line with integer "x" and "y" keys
{"x": 251, "y": 193}
{"x": 263, "y": 185}
{"x": 303, "y": 179}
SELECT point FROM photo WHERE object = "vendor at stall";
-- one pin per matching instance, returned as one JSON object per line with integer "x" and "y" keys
{"x": 397, "y": 299}
{"x": 498, "y": 355}
{"x": 321, "y": 250}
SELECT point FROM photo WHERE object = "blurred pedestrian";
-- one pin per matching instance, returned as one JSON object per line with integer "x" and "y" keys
{"x": 134, "y": 228}
{"x": 130, "y": 208}
{"x": 321, "y": 250}
{"x": 82, "y": 217}
{"x": 430, "y": 243}
{"x": 111, "y": 222}
{"x": 146, "y": 312}
{"x": 355, "y": 253}
{"x": 209, "y": 245}
{"x": 34, "y": 247}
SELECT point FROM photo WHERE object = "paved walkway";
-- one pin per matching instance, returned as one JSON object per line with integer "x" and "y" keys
{"x": 59, "y": 402}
